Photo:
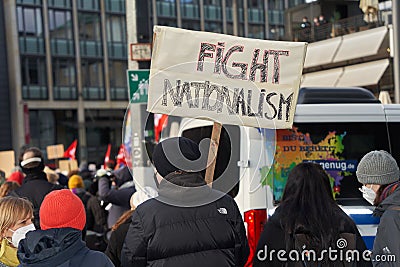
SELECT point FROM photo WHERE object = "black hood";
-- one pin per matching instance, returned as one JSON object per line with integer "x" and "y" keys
{"x": 122, "y": 176}
{"x": 50, "y": 247}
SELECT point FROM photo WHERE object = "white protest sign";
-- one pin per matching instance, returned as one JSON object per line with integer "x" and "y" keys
{"x": 223, "y": 78}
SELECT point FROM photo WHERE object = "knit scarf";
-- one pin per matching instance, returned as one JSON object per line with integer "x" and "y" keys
{"x": 389, "y": 190}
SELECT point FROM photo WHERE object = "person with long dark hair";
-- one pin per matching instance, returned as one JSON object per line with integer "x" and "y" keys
{"x": 308, "y": 224}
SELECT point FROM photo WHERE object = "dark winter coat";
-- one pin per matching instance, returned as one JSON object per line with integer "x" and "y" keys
{"x": 58, "y": 247}
{"x": 186, "y": 226}
{"x": 35, "y": 187}
{"x": 119, "y": 198}
{"x": 273, "y": 239}
{"x": 387, "y": 240}
{"x": 116, "y": 241}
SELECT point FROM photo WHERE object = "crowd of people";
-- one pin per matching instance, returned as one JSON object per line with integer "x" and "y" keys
{"x": 102, "y": 219}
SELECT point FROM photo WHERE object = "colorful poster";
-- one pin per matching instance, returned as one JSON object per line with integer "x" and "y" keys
{"x": 294, "y": 147}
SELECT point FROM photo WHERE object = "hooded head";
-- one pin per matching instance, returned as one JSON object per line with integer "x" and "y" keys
{"x": 177, "y": 154}
{"x": 32, "y": 161}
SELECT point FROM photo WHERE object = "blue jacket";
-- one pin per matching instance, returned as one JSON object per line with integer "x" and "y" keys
{"x": 58, "y": 247}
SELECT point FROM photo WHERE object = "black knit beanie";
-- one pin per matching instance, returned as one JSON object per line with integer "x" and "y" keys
{"x": 177, "y": 154}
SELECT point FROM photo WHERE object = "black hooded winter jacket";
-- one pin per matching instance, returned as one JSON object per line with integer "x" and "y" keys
{"x": 59, "y": 247}
{"x": 186, "y": 226}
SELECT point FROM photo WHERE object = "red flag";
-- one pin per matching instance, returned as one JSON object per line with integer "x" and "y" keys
{"x": 121, "y": 156}
{"x": 159, "y": 125}
{"x": 70, "y": 152}
{"x": 107, "y": 157}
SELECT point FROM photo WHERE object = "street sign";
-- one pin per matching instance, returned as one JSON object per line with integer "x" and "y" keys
{"x": 140, "y": 52}
{"x": 138, "y": 81}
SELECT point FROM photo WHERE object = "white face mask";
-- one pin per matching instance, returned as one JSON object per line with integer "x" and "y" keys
{"x": 368, "y": 194}
{"x": 20, "y": 234}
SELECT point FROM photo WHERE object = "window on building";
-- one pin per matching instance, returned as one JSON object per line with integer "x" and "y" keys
{"x": 92, "y": 79}
{"x": 167, "y": 22}
{"x": 191, "y": 25}
{"x": 89, "y": 5}
{"x": 90, "y": 34}
{"x": 33, "y": 72}
{"x": 64, "y": 79}
{"x": 61, "y": 32}
{"x": 115, "y": 6}
{"x": 59, "y": 3}
{"x": 213, "y": 26}
{"x": 116, "y": 36}
{"x": 256, "y": 31}
{"x": 117, "y": 73}
{"x": 166, "y": 8}
{"x": 30, "y": 2}
{"x": 190, "y": 9}
{"x": 42, "y": 128}
{"x": 212, "y": 10}
{"x": 30, "y": 30}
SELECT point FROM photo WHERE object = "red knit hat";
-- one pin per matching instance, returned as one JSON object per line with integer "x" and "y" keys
{"x": 62, "y": 209}
{"x": 17, "y": 177}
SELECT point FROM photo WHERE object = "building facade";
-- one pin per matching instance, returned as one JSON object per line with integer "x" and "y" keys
{"x": 67, "y": 60}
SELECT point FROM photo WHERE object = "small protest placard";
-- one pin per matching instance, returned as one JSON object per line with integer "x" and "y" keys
{"x": 7, "y": 161}
{"x": 55, "y": 151}
{"x": 68, "y": 165}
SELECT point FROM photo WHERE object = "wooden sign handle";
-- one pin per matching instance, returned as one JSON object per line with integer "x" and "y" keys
{"x": 212, "y": 153}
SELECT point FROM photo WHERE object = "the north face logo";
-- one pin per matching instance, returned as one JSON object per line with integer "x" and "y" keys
{"x": 222, "y": 211}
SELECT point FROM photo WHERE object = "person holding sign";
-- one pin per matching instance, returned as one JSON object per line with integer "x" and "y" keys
{"x": 188, "y": 224}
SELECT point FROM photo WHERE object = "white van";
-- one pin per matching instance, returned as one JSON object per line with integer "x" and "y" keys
{"x": 333, "y": 127}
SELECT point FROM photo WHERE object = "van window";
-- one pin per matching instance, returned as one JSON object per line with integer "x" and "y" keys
{"x": 338, "y": 147}
{"x": 226, "y": 174}
{"x": 394, "y": 130}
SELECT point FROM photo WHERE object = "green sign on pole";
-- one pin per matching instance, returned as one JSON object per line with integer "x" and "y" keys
{"x": 138, "y": 81}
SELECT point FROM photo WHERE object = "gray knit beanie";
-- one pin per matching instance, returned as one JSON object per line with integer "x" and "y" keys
{"x": 378, "y": 167}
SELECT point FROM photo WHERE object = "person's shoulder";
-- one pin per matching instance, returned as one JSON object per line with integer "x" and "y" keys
{"x": 96, "y": 258}
{"x": 148, "y": 204}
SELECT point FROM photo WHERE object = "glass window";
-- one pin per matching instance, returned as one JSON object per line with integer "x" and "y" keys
{"x": 259, "y": 4}
{"x": 117, "y": 73}
{"x": 33, "y": 72}
{"x": 115, "y": 6}
{"x": 60, "y": 3}
{"x": 191, "y": 25}
{"x": 338, "y": 147}
{"x": 166, "y": 8}
{"x": 92, "y": 79}
{"x": 42, "y": 128}
{"x": 212, "y": 12}
{"x": 116, "y": 29}
{"x": 90, "y": 34}
{"x": 60, "y": 27}
{"x": 256, "y": 31}
{"x": 64, "y": 78}
{"x": 213, "y": 27}
{"x": 31, "y": 2}
{"x": 89, "y": 5}
{"x": 190, "y": 9}
{"x": 167, "y": 22}
{"x": 60, "y": 24}
{"x": 29, "y": 21}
